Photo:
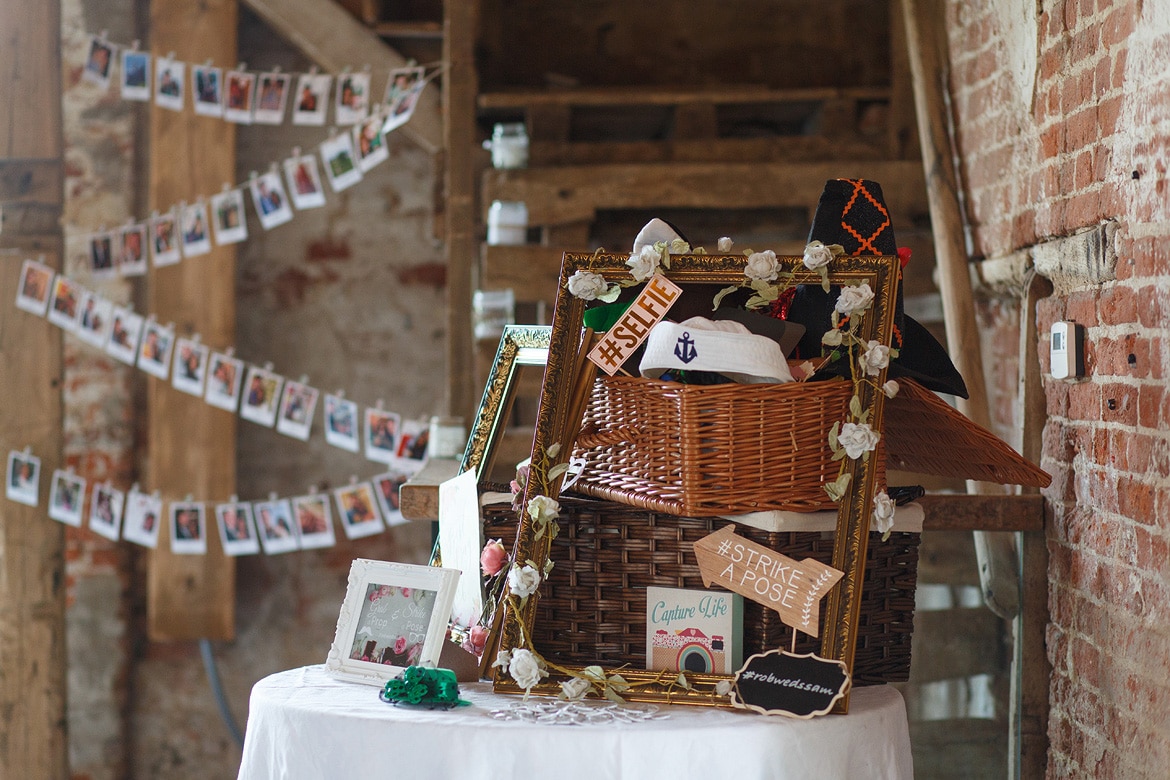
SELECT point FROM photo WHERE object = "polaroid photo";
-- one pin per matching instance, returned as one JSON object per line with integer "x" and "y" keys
{"x": 386, "y": 490}
{"x": 371, "y": 146}
{"x": 274, "y": 524}
{"x": 358, "y": 510}
{"x": 270, "y": 200}
{"x": 312, "y": 99}
{"x": 261, "y": 396}
{"x": 237, "y": 102}
{"x": 296, "y": 410}
{"x": 341, "y": 423}
{"x": 413, "y": 437}
{"x": 125, "y": 331}
{"x": 99, "y": 62}
{"x": 102, "y": 256}
{"x": 188, "y": 528}
{"x": 36, "y": 283}
{"x": 105, "y": 511}
{"x": 154, "y": 353}
{"x": 190, "y": 368}
{"x": 227, "y": 209}
{"x": 224, "y": 375}
{"x": 340, "y": 167}
{"x": 168, "y": 83}
{"x": 143, "y": 518}
{"x": 353, "y": 98}
{"x": 381, "y": 435}
{"x": 402, "y": 93}
{"x": 24, "y": 477}
{"x": 132, "y": 257}
{"x": 237, "y": 529}
{"x": 314, "y": 521}
{"x": 271, "y": 95}
{"x": 195, "y": 235}
{"x": 304, "y": 182}
{"x": 67, "y": 498}
{"x": 208, "y": 84}
{"x": 164, "y": 243}
{"x": 94, "y": 318}
{"x": 135, "y": 75}
{"x": 64, "y": 302}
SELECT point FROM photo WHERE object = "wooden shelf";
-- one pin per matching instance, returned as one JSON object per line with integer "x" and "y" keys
{"x": 666, "y": 96}
{"x": 425, "y": 30}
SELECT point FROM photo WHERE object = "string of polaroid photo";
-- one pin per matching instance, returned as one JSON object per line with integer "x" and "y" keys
{"x": 274, "y": 525}
{"x": 256, "y": 392}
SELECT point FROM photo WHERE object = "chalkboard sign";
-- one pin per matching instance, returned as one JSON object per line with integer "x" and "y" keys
{"x": 782, "y": 683}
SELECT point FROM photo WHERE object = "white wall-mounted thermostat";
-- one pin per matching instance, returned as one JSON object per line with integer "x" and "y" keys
{"x": 1068, "y": 350}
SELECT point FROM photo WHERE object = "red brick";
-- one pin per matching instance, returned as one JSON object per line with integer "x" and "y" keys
{"x": 1119, "y": 24}
{"x": 1083, "y": 210}
{"x": 1153, "y": 406}
{"x": 1086, "y": 661}
{"x": 1152, "y": 306}
{"x": 1084, "y": 401}
{"x": 1081, "y": 307}
{"x": 1137, "y": 500}
{"x": 1119, "y": 404}
{"x": 1117, "y": 305}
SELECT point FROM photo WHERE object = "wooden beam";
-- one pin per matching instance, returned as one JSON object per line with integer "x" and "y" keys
{"x": 333, "y": 39}
{"x": 666, "y": 96}
{"x": 788, "y": 148}
{"x": 964, "y": 512}
{"x": 32, "y": 561}
{"x": 191, "y": 446}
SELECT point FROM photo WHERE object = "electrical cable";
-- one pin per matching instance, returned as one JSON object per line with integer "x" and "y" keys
{"x": 217, "y": 689}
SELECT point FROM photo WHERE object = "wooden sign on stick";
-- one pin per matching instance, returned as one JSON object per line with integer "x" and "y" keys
{"x": 634, "y": 326}
{"x": 792, "y": 588}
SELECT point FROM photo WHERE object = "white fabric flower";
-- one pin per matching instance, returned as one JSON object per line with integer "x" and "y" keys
{"x": 763, "y": 266}
{"x": 832, "y": 338}
{"x": 525, "y": 668}
{"x": 503, "y": 658}
{"x": 724, "y": 244}
{"x": 678, "y": 247}
{"x": 856, "y": 438}
{"x": 644, "y": 264}
{"x": 575, "y": 688}
{"x": 523, "y": 581}
{"x": 853, "y": 299}
{"x": 875, "y": 358}
{"x": 817, "y": 255}
{"x": 543, "y": 509}
{"x": 587, "y": 285}
{"x": 891, "y": 388}
{"x": 883, "y": 512}
{"x": 723, "y": 687}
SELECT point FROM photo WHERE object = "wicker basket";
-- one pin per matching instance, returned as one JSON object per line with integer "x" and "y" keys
{"x": 592, "y": 609}
{"x": 712, "y": 450}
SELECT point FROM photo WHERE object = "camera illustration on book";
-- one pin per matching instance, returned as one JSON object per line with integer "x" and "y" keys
{"x": 689, "y": 650}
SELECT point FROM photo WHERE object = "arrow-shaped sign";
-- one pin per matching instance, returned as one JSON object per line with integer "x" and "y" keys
{"x": 792, "y": 588}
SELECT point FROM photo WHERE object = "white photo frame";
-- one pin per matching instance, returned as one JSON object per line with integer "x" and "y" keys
{"x": 370, "y": 143}
{"x": 135, "y": 75}
{"x": 64, "y": 301}
{"x": 188, "y": 528}
{"x": 275, "y": 526}
{"x": 207, "y": 90}
{"x": 168, "y": 83}
{"x": 304, "y": 182}
{"x": 196, "y": 232}
{"x": 373, "y": 624}
{"x": 132, "y": 250}
{"x": 36, "y": 285}
{"x": 340, "y": 166}
{"x": 411, "y": 453}
{"x": 237, "y": 529}
{"x": 386, "y": 487}
{"x": 314, "y": 518}
{"x": 154, "y": 349}
{"x": 227, "y": 217}
{"x": 270, "y": 200}
{"x": 358, "y": 510}
{"x": 352, "y": 98}
{"x": 271, "y": 95}
{"x": 342, "y": 428}
{"x": 189, "y": 372}
{"x": 402, "y": 91}
{"x": 238, "y": 92}
{"x": 93, "y": 319}
{"x": 261, "y": 396}
{"x": 23, "y": 479}
{"x": 311, "y": 101}
{"x": 105, "y": 511}
{"x": 125, "y": 332}
{"x": 67, "y": 498}
{"x": 143, "y": 518}
{"x": 381, "y": 435}
{"x": 102, "y": 256}
{"x": 164, "y": 239}
{"x": 224, "y": 380}
{"x": 298, "y": 402}
{"x": 98, "y": 62}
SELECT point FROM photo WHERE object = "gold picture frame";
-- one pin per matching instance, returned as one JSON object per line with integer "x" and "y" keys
{"x": 842, "y": 610}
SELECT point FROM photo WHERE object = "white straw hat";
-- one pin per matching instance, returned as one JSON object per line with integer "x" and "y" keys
{"x": 722, "y": 347}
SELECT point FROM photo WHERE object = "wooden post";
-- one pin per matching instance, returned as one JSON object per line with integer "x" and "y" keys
{"x": 32, "y": 562}
{"x": 191, "y": 446}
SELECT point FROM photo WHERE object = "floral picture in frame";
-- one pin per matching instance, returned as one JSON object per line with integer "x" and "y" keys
{"x": 394, "y": 615}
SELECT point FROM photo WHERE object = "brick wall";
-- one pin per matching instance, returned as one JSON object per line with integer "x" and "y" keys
{"x": 1063, "y": 127}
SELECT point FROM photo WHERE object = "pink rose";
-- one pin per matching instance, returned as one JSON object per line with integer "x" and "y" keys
{"x": 413, "y": 653}
{"x": 493, "y": 558}
{"x": 476, "y": 640}
{"x": 400, "y": 645}
{"x": 406, "y": 593}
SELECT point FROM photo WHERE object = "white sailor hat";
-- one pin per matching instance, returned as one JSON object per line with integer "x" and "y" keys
{"x": 722, "y": 347}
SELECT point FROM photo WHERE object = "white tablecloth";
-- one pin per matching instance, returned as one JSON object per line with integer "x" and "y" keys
{"x": 304, "y": 724}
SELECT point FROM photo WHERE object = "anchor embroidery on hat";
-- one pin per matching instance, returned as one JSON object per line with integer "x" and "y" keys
{"x": 685, "y": 350}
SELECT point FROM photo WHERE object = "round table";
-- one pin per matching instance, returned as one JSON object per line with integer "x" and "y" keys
{"x": 303, "y": 723}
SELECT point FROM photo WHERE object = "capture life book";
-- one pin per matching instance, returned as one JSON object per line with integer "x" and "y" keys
{"x": 697, "y": 631}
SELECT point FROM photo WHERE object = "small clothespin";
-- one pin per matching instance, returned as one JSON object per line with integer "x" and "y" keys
{"x": 268, "y": 366}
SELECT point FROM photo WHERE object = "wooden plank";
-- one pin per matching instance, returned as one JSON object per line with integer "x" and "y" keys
{"x": 424, "y": 30}
{"x": 791, "y": 148}
{"x": 666, "y": 96}
{"x": 963, "y": 642}
{"x": 901, "y": 125}
{"x": 418, "y": 498}
{"x": 191, "y": 445}
{"x": 534, "y": 272}
{"x": 965, "y": 512}
{"x": 557, "y": 195}
{"x": 32, "y": 562}
{"x": 333, "y": 39}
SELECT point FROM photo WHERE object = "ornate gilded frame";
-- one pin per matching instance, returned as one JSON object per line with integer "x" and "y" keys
{"x": 843, "y": 607}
